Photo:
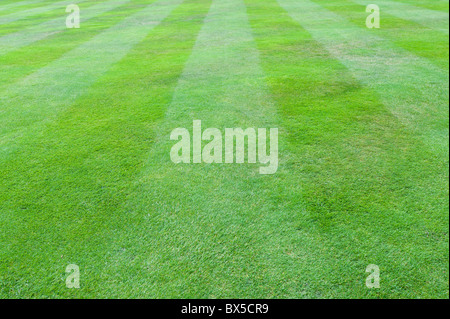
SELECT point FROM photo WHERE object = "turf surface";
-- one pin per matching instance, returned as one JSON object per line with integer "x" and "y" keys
{"x": 86, "y": 176}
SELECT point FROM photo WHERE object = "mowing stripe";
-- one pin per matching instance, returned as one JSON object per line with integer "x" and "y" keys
{"x": 16, "y": 65}
{"x": 433, "y": 19}
{"x": 44, "y": 93}
{"x": 422, "y": 101}
{"x": 440, "y": 5}
{"x": 14, "y": 41}
{"x": 18, "y": 4}
{"x": 199, "y": 222}
{"x": 97, "y": 161}
{"x": 95, "y": 148}
{"x": 428, "y": 43}
{"x": 26, "y": 13}
{"x": 368, "y": 186}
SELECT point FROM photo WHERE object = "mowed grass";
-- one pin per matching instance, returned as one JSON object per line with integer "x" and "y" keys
{"x": 86, "y": 176}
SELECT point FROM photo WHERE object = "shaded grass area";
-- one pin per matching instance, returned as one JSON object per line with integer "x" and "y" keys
{"x": 371, "y": 189}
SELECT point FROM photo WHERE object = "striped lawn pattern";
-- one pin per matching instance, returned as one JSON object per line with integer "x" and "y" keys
{"x": 84, "y": 150}
{"x": 16, "y": 40}
{"x": 93, "y": 58}
{"x": 431, "y": 18}
{"x": 241, "y": 101}
{"x": 440, "y": 5}
{"x": 17, "y": 4}
{"x": 36, "y": 11}
{"x": 427, "y": 41}
{"x": 384, "y": 69}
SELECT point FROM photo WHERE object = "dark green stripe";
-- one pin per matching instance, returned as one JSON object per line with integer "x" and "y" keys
{"x": 72, "y": 178}
{"x": 371, "y": 190}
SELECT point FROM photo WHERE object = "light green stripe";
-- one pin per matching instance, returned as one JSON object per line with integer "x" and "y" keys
{"x": 97, "y": 161}
{"x": 433, "y": 19}
{"x": 41, "y": 95}
{"x": 222, "y": 63}
{"x": 414, "y": 89}
{"x": 14, "y": 41}
{"x": 188, "y": 214}
{"x": 23, "y": 14}
{"x": 18, "y": 4}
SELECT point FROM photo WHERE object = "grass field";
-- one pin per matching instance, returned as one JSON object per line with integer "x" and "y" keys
{"x": 86, "y": 175}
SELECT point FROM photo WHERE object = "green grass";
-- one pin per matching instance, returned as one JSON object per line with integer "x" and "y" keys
{"x": 17, "y": 20}
{"x": 441, "y": 5}
{"x": 416, "y": 38}
{"x": 9, "y": 7}
{"x": 86, "y": 176}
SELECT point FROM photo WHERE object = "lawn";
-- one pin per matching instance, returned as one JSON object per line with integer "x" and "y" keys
{"x": 86, "y": 116}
